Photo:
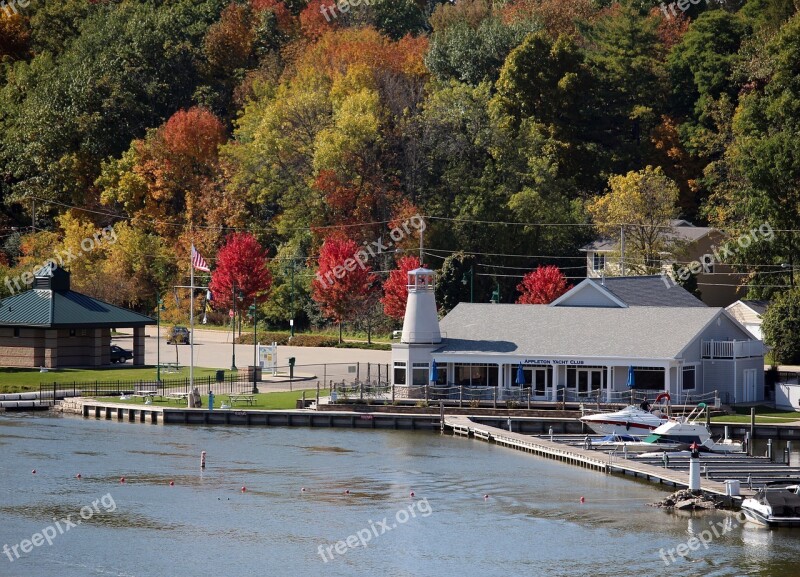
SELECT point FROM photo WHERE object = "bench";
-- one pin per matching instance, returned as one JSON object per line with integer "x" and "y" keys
{"x": 144, "y": 394}
{"x": 170, "y": 367}
{"x": 245, "y": 398}
{"x": 177, "y": 396}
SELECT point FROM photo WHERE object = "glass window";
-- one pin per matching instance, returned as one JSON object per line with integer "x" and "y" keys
{"x": 648, "y": 378}
{"x": 689, "y": 378}
{"x": 399, "y": 373}
{"x": 598, "y": 261}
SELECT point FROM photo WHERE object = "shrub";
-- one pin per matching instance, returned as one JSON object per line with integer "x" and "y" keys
{"x": 311, "y": 341}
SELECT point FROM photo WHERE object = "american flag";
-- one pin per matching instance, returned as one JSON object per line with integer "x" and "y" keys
{"x": 198, "y": 262}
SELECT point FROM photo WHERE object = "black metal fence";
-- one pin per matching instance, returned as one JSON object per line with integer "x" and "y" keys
{"x": 114, "y": 388}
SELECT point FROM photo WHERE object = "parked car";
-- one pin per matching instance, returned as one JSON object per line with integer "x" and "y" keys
{"x": 178, "y": 336}
{"x": 120, "y": 355}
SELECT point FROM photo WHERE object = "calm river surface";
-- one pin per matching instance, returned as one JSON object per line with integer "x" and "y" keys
{"x": 531, "y": 524}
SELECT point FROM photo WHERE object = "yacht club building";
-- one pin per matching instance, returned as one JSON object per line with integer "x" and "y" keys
{"x": 583, "y": 345}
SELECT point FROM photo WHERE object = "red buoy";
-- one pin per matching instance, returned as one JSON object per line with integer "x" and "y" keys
{"x": 33, "y": 472}
{"x": 583, "y": 499}
{"x": 172, "y": 483}
{"x": 78, "y": 476}
{"x": 244, "y": 489}
{"x": 122, "y": 479}
{"x": 412, "y": 493}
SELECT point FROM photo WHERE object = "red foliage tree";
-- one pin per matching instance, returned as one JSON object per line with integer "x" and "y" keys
{"x": 344, "y": 282}
{"x": 542, "y": 286}
{"x": 395, "y": 292}
{"x": 241, "y": 262}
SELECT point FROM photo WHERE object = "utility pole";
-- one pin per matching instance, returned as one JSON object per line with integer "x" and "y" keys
{"x": 233, "y": 326}
{"x": 622, "y": 250}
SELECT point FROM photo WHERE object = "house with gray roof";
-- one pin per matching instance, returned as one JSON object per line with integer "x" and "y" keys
{"x": 719, "y": 285}
{"x": 582, "y": 346}
{"x": 52, "y": 326}
{"x": 750, "y": 313}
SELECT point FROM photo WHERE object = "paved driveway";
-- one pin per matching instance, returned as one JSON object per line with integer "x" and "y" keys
{"x": 214, "y": 349}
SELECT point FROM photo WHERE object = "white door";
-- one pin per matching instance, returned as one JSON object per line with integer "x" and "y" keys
{"x": 539, "y": 383}
{"x": 589, "y": 382}
{"x": 749, "y": 385}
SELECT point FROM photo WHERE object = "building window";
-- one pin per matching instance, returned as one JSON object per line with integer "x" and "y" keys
{"x": 476, "y": 375}
{"x": 648, "y": 378}
{"x": 689, "y": 380}
{"x": 72, "y": 332}
{"x": 16, "y": 331}
{"x": 421, "y": 372}
{"x": 707, "y": 261}
{"x": 598, "y": 261}
{"x": 399, "y": 373}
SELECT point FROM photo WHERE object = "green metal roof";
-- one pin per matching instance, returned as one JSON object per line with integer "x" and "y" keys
{"x": 54, "y": 309}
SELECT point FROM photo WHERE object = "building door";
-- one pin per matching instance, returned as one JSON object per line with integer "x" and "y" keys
{"x": 589, "y": 381}
{"x": 749, "y": 385}
{"x": 539, "y": 383}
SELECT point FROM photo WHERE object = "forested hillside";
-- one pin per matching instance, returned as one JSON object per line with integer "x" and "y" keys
{"x": 319, "y": 127}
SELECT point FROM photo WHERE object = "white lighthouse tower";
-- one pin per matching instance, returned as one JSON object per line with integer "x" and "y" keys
{"x": 411, "y": 357}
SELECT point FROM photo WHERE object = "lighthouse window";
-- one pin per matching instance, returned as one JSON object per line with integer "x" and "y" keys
{"x": 399, "y": 373}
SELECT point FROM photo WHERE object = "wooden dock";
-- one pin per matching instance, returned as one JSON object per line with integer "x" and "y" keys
{"x": 715, "y": 468}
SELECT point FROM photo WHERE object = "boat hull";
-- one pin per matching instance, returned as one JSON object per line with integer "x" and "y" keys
{"x": 763, "y": 518}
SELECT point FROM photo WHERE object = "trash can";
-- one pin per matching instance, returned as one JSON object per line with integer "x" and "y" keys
{"x": 220, "y": 376}
{"x": 732, "y": 487}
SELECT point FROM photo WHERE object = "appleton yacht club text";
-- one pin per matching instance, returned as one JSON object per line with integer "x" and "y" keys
{"x": 552, "y": 362}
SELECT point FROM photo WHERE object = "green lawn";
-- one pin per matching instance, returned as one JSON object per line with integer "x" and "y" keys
{"x": 14, "y": 380}
{"x": 284, "y": 400}
{"x": 764, "y": 416}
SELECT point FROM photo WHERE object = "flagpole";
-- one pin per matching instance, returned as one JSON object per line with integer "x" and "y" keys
{"x": 191, "y": 322}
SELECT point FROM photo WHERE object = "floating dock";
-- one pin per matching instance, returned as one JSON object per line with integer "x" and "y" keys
{"x": 716, "y": 469}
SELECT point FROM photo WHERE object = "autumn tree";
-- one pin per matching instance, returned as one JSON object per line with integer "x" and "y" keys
{"x": 241, "y": 271}
{"x": 395, "y": 289}
{"x": 542, "y": 286}
{"x": 641, "y": 204}
{"x": 343, "y": 284}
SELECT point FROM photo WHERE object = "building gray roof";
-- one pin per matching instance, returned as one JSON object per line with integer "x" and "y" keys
{"x": 681, "y": 230}
{"x": 758, "y": 307}
{"x": 650, "y": 291}
{"x": 545, "y": 331}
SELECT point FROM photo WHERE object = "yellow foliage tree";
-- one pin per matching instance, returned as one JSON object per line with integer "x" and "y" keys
{"x": 639, "y": 205}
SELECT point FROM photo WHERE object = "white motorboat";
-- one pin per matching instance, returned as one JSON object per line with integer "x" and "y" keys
{"x": 687, "y": 430}
{"x": 774, "y": 507}
{"x": 624, "y": 443}
{"x": 632, "y": 420}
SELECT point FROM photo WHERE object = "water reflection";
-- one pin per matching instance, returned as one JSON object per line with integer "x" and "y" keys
{"x": 531, "y": 523}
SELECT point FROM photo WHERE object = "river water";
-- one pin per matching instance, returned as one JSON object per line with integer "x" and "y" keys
{"x": 531, "y": 524}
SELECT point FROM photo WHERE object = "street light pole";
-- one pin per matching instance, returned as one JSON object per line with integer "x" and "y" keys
{"x": 255, "y": 345}
{"x": 291, "y": 321}
{"x": 159, "y": 304}
{"x": 471, "y": 283}
{"x": 233, "y": 327}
